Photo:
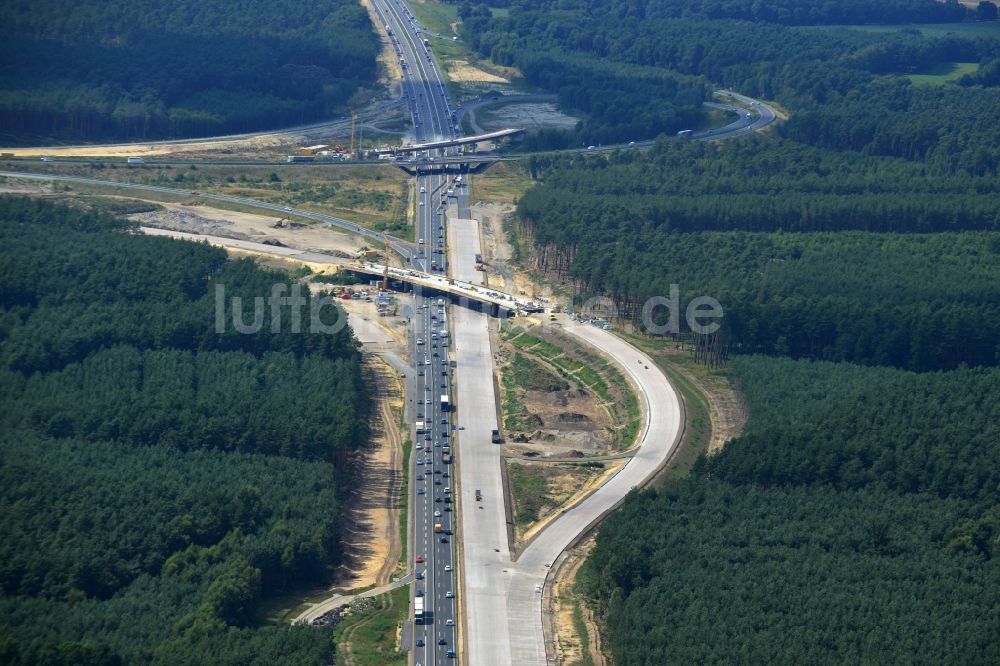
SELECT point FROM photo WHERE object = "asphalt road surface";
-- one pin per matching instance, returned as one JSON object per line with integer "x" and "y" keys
{"x": 432, "y": 640}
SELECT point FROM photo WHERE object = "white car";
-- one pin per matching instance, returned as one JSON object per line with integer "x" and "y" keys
{"x": 450, "y": 622}
{"x": 447, "y": 567}
{"x": 423, "y": 190}
{"x": 449, "y": 594}
{"x": 437, "y": 514}
{"x": 538, "y": 588}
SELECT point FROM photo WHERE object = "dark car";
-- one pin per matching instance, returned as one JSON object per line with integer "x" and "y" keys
{"x": 420, "y": 642}
{"x": 442, "y": 641}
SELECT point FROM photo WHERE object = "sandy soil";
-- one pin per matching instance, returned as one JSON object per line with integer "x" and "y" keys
{"x": 568, "y": 643}
{"x": 461, "y": 71}
{"x": 252, "y": 227}
{"x": 375, "y": 332}
{"x": 372, "y": 546}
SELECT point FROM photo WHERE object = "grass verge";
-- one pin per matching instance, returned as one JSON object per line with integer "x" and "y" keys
{"x": 368, "y": 638}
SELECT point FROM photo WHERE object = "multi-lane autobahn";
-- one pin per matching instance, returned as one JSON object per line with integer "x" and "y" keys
{"x": 433, "y": 636}
{"x": 502, "y": 600}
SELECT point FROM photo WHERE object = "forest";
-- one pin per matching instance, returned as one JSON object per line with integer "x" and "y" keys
{"x": 811, "y": 253}
{"x": 160, "y": 479}
{"x": 153, "y": 69}
{"x": 855, "y": 520}
{"x": 844, "y": 89}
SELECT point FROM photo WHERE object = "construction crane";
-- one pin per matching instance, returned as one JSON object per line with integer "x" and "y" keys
{"x": 354, "y": 120}
{"x": 385, "y": 262}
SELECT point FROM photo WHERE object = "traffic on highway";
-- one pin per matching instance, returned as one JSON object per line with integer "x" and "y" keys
{"x": 434, "y": 603}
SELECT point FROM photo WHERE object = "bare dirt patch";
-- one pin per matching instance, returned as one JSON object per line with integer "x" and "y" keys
{"x": 573, "y": 628}
{"x": 727, "y": 409}
{"x": 460, "y": 71}
{"x": 251, "y": 227}
{"x": 526, "y": 115}
{"x": 372, "y": 543}
{"x": 547, "y": 415}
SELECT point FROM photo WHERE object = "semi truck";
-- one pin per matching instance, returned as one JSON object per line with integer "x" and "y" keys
{"x": 418, "y": 610}
{"x": 445, "y": 405}
{"x": 420, "y": 427}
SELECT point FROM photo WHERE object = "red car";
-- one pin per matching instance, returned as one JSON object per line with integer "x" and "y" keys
{"x": 420, "y": 559}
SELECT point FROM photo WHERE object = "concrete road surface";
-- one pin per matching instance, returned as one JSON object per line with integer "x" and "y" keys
{"x": 658, "y": 440}
{"x": 486, "y": 566}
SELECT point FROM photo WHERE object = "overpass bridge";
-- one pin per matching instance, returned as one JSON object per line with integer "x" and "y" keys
{"x": 477, "y": 297}
{"x": 448, "y": 143}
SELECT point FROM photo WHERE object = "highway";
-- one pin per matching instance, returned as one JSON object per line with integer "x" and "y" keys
{"x": 501, "y": 598}
{"x": 433, "y": 640}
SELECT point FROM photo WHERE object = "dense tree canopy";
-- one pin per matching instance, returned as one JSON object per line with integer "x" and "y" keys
{"x": 158, "y": 477}
{"x": 845, "y": 89}
{"x": 858, "y": 519}
{"x": 149, "y": 68}
{"x": 715, "y": 220}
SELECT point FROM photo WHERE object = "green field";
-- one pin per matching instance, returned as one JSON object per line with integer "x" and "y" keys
{"x": 947, "y": 72}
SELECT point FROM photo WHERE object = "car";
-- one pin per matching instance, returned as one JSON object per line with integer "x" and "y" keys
{"x": 437, "y": 482}
{"x": 420, "y": 477}
{"x": 444, "y": 539}
{"x": 444, "y": 421}
{"x": 422, "y": 190}
{"x": 420, "y": 461}
{"x": 447, "y": 508}
{"x": 420, "y": 642}
{"x": 48, "y": 159}
{"x": 538, "y": 588}
{"x": 287, "y": 209}
{"x": 447, "y": 567}
{"x": 450, "y": 622}
{"x": 437, "y": 513}
{"x": 449, "y": 594}
{"x": 420, "y": 372}
{"x": 421, "y": 203}
{"x": 419, "y": 592}
{"x": 591, "y": 147}
{"x": 437, "y": 499}
{"x": 445, "y": 475}
{"x": 427, "y": 362}
{"x": 420, "y": 575}
{"x": 631, "y": 143}
{"x": 420, "y": 491}
{"x": 442, "y": 641}
{"x": 450, "y": 654}
{"x": 420, "y": 559}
